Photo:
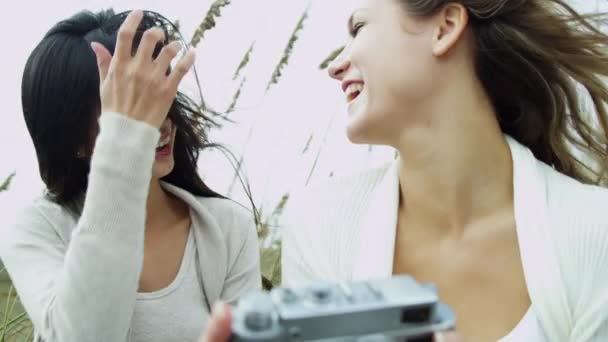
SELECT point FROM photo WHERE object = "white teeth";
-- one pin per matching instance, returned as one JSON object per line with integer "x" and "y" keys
{"x": 164, "y": 142}
{"x": 352, "y": 89}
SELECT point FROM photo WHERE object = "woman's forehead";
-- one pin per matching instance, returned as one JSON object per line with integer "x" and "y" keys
{"x": 355, "y": 5}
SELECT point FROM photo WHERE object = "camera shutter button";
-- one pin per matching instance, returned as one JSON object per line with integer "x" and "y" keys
{"x": 288, "y": 296}
{"x": 320, "y": 294}
{"x": 258, "y": 320}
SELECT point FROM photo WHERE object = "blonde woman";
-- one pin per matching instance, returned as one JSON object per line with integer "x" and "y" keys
{"x": 488, "y": 198}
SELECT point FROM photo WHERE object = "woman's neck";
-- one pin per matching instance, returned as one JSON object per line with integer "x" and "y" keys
{"x": 162, "y": 207}
{"x": 457, "y": 175}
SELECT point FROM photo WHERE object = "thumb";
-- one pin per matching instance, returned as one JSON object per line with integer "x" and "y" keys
{"x": 103, "y": 59}
{"x": 219, "y": 327}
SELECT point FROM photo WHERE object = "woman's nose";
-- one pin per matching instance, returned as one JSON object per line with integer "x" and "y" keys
{"x": 338, "y": 67}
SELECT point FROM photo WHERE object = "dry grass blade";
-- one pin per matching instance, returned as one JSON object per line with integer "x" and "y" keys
{"x": 331, "y": 58}
{"x": 278, "y": 210}
{"x": 29, "y": 334}
{"x": 7, "y": 182}
{"x": 236, "y": 96}
{"x": 270, "y": 256}
{"x": 243, "y": 62}
{"x": 5, "y": 324}
{"x": 287, "y": 52}
{"x": 308, "y": 143}
{"x": 209, "y": 21}
{"x": 270, "y": 262}
{"x": 15, "y": 322}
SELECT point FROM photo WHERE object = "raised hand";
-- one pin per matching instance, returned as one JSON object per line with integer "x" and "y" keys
{"x": 138, "y": 85}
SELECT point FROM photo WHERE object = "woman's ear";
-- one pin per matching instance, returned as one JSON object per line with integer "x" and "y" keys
{"x": 452, "y": 21}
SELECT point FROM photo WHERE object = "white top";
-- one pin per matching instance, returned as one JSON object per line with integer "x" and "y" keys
{"x": 344, "y": 229}
{"x": 176, "y": 312}
{"x": 528, "y": 329}
{"x": 77, "y": 277}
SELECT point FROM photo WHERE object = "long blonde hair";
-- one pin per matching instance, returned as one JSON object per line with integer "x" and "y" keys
{"x": 533, "y": 58}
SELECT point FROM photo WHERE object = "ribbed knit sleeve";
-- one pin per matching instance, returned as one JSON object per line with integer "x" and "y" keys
{"x": 581, "y": 242}
{"x": 86, "y": 291}
{"x": 319, "y": 227}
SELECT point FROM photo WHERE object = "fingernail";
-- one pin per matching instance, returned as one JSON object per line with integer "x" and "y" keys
{"x": 219, "y": 309}
{"x": 438, "y": 337}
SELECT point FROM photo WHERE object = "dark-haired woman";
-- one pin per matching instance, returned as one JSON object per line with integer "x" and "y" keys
{"x": 128, "y": 243}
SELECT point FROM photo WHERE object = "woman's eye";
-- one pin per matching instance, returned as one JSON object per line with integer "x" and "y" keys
{"x": 356, "y": 28}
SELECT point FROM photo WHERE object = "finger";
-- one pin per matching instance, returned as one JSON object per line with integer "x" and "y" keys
{"x": 148, "y": 42}
{"x": 104, "y": 57}
{"x": 124, "y": 42}
{"x": 165, "y": 57}
{"x": 181, "y": 69}
{"x": 219, "y": 328}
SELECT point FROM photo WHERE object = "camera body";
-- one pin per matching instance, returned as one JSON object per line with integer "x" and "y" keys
{"x": 365, "y": 310}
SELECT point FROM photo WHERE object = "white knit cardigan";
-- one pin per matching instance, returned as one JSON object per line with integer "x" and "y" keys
{"x": 345, "y": 229}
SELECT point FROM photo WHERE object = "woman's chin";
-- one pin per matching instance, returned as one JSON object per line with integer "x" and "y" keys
{"x": 162, "y": 169}
{"x": 359, "y": 120}
{"x": 357, "y": 133}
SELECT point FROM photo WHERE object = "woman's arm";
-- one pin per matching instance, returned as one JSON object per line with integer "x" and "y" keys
{"x": 86, "y": 291}
{"x": 579, "y": 237}
{"x": 586, "y": 261}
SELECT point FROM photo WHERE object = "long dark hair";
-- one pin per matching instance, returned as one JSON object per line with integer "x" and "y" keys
{"x": 61, "y": 104}
{"x": 531, "y": 57}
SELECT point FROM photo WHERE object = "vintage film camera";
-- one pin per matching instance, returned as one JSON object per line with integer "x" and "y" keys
{"x": 397, "y": 308}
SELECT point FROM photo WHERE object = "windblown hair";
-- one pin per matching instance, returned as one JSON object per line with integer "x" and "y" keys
{"x": 61, "y": 104}
{"x": 535, "y": 58}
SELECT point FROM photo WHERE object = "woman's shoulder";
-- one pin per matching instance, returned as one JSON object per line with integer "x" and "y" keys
{"x": 41, "y": 216}
{"x": 227, "y": 226}
{"x": 224, "y": 207}
{"x": 40, "y": 223}
{"x": 233, "y": 219}
{"x": 221, "y": 212}
{"x": 228, "y": 211}
{"x": 571, "y": 201}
